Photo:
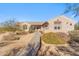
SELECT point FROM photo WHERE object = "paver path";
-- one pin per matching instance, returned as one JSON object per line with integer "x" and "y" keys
{"x": 32, "y": 47}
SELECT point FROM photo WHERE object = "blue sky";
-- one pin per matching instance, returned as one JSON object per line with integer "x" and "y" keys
{"x": 31, "y": 12}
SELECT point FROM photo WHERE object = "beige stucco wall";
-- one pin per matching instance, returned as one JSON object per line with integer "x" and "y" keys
{"x": 64, "y": 26}
{"x": 28, "y": 26}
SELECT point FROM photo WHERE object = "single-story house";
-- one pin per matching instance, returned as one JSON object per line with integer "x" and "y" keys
{"x": 58, "y": 24}
{"x": 26, "y": 26}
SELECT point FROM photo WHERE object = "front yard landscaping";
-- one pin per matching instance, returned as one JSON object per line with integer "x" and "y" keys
{"x": 54, "y": 38}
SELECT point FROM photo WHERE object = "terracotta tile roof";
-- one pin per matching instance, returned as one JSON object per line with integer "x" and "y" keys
{"x": 36, "y": 23}
{"x": 32, "y": 23}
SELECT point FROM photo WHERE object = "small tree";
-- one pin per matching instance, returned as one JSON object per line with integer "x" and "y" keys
{"x": 10, "y": 25}
{"x": 77, "y": 26}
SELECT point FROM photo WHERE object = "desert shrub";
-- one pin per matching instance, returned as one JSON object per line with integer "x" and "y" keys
{"x": 76, "y": 26}
{"x": 10, "y": 37}
{"x": 21, "y": 32}
{"x": 31, "y": 30}
{"x": 41, "y": 32}
{"x": 53, "y": 38}
{"x": 9, "y": 25}
{"x": 74, "y": 35}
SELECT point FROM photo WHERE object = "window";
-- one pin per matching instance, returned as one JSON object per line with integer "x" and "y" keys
{"x": 70, "y": 24}
{"x": 24, "y": 26}
{"x": 57, "y": 27}
{"x": 33, "y": 27}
